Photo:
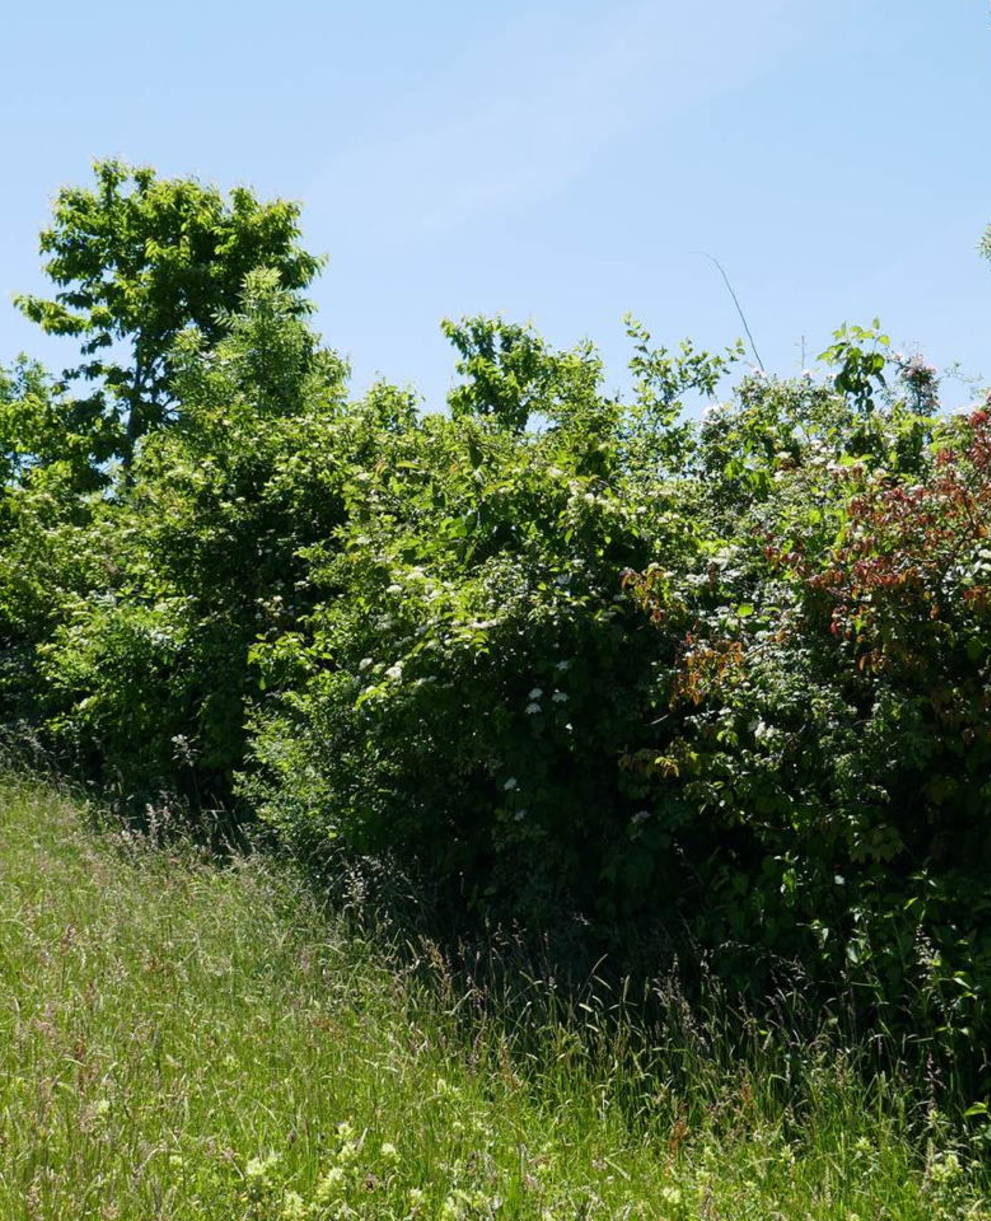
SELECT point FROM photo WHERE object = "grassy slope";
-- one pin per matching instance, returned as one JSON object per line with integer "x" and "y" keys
{"x": 183, "y": 1041}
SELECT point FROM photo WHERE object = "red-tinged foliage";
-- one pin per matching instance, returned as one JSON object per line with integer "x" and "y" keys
{"x": 908, "y": 581}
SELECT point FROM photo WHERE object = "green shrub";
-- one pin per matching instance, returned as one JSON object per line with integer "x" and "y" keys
{"x": 147, "y": 672}
{"x": 462, "y": 698}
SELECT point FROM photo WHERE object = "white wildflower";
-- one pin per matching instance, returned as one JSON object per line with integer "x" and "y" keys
{"x": 293, "y": 1207}
{"x": 330, "y": 1185}
{"x": 260, "y": 1167}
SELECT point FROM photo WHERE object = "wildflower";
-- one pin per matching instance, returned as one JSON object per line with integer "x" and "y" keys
{"x": 293, "y": 1207}
{"x": 520, "y": 815}
{"x": 395, "y": 671}
{"x": 944, "y": 1168}
{"x": 389, "y": 1151}
{"x": 510, "y": 784}
{"x": 560, "y": 697}
{"x": 330, "y": 1185}
{"x": 347, "y": 1152}
{"x": 394, "y": 589}
{"x": 671, "y": 1195}
{"x": 639, "y": 817}
{"x": 531, "y": 709}
{"x": 258, "y": 1169}
{"x": 535, "y": 694}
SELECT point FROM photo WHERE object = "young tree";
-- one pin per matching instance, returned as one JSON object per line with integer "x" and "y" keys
{"x": 137, "y": 259}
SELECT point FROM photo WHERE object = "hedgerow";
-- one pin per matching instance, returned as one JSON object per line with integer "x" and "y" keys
{"x": 569, "y": 656}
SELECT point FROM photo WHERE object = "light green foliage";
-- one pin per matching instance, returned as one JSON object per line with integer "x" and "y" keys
{"x": 656, "y": 434}
{"x": 41, "y": 427}
{"x": 137, "y": 259}
{"x": 146, "y": 674}
{"x": 861, "y": 371}
{"x": 191, "y": 1041}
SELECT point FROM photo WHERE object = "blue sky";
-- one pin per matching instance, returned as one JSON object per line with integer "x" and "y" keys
{"x": 562, "y": 162}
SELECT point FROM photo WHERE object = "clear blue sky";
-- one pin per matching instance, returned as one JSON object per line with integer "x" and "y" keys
{"x": 557, "y": 160}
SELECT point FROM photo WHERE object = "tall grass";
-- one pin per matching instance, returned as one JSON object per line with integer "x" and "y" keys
{"x": 181, "y": 1038}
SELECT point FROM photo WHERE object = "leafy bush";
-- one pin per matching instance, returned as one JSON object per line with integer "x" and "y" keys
{"x": 463, "y": 694}
{"x": 146, "y": 672}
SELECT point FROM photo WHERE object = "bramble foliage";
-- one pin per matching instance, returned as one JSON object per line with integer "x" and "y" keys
{"x": 563, "y": 654}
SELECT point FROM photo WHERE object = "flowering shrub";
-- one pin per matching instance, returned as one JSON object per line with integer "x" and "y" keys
{"x": 461, "y": 695}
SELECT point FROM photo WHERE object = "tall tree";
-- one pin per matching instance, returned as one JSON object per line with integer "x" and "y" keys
{"x": 137, "y": 259}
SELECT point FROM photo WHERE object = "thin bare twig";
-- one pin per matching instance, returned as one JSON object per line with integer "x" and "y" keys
{"x": 739, "y": 310}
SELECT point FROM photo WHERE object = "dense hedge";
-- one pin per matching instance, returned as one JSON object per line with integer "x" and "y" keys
{"x": 567, "y": 656}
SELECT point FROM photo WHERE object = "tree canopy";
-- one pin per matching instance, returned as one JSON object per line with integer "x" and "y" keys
{"x": 136, "y": 260}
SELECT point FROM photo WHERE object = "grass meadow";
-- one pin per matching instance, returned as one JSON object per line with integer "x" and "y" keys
{"x": 186, "y": 1038}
